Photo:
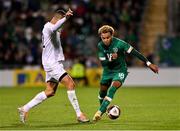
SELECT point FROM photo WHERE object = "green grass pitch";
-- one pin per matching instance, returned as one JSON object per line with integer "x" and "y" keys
{"x": 152, "y": 108}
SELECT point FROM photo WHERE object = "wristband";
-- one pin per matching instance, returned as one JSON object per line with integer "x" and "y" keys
{"x": 148, "y": 63}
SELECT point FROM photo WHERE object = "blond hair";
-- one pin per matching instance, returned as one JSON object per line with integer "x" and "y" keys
{"x": 106, "y": 29}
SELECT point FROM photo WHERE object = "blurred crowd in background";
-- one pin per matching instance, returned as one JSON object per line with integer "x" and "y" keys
{"x": 22, "y": 22}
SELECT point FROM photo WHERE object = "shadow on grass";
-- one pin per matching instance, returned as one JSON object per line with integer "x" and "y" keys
{"x": 12, "y": 126}
{"x": 43, "y": 126}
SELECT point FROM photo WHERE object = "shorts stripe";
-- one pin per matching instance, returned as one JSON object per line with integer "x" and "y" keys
{"x": 52, "y": 80}
{"x": 63, "y": 75}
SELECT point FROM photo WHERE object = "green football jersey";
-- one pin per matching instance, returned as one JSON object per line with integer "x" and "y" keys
{"x": 105, "y": 55}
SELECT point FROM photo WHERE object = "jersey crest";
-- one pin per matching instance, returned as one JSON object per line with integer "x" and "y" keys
{"x": 115, "y": 50}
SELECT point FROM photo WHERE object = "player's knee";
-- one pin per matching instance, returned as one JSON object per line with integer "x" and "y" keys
{"x": 50, "y": 93}
{"x": 116, "y": 84}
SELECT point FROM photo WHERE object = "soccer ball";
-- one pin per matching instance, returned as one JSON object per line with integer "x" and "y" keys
{"x": 113, "y": 112}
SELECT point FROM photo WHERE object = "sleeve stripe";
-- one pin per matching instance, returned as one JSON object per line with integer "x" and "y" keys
{"x": 102, "y": 58}
{"x": 130, "y": 49}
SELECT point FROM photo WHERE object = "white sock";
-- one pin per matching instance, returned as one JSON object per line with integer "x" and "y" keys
{"x": 35, "y": 101}
{"x": 73, "y": 99}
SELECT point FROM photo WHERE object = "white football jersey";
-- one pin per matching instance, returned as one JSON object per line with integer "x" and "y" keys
{"x": 52, "y": 49}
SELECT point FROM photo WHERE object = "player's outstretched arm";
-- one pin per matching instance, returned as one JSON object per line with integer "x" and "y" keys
{"x": 153, "y": 67}
{"x": 60, "y": 22}
{"x": 69, "y": 13}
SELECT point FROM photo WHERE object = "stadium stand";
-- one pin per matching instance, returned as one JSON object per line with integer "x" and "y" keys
{"x": 155, "y": 22}
{"x": 22, "y": 21}
{"x": 168, "y": 51}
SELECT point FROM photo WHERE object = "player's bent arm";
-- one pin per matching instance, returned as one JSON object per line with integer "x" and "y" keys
{"x": 134, "y": 52}
{"x": 58, "y": 24}
{"x": 104, "y": 62}
{"x": 102, "y": 57}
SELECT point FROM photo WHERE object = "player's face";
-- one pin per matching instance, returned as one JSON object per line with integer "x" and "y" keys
{"x": 106, "y": 38}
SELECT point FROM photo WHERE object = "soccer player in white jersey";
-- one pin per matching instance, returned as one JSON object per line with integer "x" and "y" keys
{"x": 52, "y": 56}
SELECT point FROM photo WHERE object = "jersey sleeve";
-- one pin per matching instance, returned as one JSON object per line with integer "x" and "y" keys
{"x": 58, "y": 24}
{"x": 130, "y": 50}
{"x": 102, "y": 56}
{"x": 134, "y": 52}
{"x": 127, "y": 47}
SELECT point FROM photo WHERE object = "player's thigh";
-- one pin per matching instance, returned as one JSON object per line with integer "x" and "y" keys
{"x": 56, "y": 73}
{"x": 51, "y": 83}
{"x": 105, "y": 81}
{"x": 51, "y": 88}
{"x": 119, "y": 78}
{"x": 68, "y": 82}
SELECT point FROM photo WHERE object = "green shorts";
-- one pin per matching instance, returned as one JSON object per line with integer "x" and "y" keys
{"x": 107, "y": 78}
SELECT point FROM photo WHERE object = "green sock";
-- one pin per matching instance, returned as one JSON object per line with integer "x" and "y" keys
{"x": 112, "y": 90}
{"x": 102, "y": 94}
{"x": 104, "y": 106}
{"x": 105, "y": 103}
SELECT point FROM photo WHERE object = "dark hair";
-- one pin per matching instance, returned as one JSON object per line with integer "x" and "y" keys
{"x": 60, "y": 12}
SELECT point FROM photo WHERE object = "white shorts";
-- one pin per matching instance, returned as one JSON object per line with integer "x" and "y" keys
{"x": 56, "y": 73}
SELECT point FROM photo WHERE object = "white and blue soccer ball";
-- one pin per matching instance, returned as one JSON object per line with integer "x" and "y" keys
{"x": 113, "y": 112}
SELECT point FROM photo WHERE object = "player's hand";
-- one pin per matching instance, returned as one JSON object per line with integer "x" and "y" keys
{"x": 114, "y": 56}
{"x": 69, "y": 13}
{"x": 154, "y": 68}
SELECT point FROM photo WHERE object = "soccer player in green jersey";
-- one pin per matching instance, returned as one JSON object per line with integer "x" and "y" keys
{"x": 111, "y": 52}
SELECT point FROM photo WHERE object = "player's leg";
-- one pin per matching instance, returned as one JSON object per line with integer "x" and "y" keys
{"x": 70, "y": 85}
{"x": 104, "y": 85}
{"x": 102, "y": 92}
{"x": 117, "y": 82}
{"x": 51, "y": 86}
{"x": 110, "y": 94}
{"x": 39, "y": 98}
